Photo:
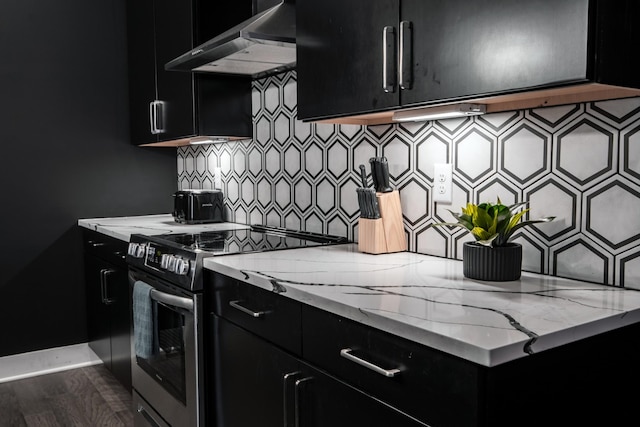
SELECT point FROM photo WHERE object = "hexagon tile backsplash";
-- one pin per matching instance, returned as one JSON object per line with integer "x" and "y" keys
{"x": 580, "y": 163}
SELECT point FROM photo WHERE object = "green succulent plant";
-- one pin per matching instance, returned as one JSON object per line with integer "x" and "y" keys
{"x": 493, "y": 224}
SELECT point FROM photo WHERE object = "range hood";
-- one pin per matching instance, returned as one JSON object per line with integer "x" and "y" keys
{"x": 263, "y": 45}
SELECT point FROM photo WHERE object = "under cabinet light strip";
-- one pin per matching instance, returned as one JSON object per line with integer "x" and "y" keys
{"x": 438, "y": 113}
{"x": 207, "y": 140}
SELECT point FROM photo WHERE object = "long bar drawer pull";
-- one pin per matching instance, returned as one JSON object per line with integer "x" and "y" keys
{"x": 236, "y": 305}
{"x": 389, "y": 373}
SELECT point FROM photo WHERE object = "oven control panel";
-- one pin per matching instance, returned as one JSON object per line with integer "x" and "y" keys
{"x": 174, "y": 264}
{"x": 159, "y": 260}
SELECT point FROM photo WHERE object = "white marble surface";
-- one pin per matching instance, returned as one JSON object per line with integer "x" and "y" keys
{"x": 427, "y": 299}
{"x": 123, "y": 227}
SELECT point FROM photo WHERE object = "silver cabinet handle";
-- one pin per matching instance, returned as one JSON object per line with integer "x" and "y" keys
{"x": 152, "y": 117}
{"x": 406, "y": 69}
{"x": 160, "y": 117}
{"x": 296, "y": 403}
{"x": 389, "y": 63}
{"x": 236, "y": 304}
{"x": 104, "y": 274}
{"x": 389, "y": 373}
{"x": 156, "y": 114}
{"x": 285, "y": 381}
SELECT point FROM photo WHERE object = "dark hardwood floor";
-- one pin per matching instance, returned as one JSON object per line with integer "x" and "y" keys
{"x": 84, "y": 397}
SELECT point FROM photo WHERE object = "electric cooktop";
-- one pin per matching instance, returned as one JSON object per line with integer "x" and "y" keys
{"x": 177, "y": 257}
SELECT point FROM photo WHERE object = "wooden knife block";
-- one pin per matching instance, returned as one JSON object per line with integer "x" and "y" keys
{"x": 386, "y": 234}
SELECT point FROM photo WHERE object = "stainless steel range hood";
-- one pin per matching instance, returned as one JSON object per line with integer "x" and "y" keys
{"x": 260, "y": 46}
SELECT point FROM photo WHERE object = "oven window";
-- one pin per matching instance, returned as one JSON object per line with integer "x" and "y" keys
{"x": 166, "y": 364}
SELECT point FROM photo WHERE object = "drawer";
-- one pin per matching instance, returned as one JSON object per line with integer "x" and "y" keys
{"x": 432, "y": 386}
{"x": 105, "y": 247}
{"x": 269, "y": 315}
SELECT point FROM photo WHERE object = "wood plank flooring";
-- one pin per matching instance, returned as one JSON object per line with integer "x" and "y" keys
{"x": 82, "y": 397}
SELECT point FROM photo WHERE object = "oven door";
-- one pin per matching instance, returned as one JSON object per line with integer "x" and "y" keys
{"x": 169, "y": 377}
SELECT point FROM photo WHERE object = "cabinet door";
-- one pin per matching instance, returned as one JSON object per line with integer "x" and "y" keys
{"x": 174, "y": 36}
{"x": 249, "y": 378}
{"x": 108, "y": 316}
{"x": 98, "y": 318}
{"x": 463, "y": 49}
{"x": 339, "y": 47}
{"x": 142, "y": 69}
{"x": 258, "y": 384}
{"x": 118, "y": 292}
{"x": 423, "y": 382}
{"x": 322, "y": 400}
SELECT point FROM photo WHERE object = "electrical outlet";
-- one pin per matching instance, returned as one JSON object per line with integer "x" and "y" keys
{"x": 217, "y": 178}
{"x": 442, "y": 182}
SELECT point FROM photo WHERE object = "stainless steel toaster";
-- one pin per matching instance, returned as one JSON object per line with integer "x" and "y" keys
{"x": 198, "y": 206}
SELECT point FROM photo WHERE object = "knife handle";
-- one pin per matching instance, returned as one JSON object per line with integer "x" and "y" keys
{"x": 362, "y": 203}
{"x": 373, "y": 200}
{"x": 384, "y": 176}
{"x": 374, "y": 178}
{"x": 363, "y": 176}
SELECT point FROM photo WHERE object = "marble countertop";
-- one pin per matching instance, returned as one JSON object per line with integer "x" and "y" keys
{"x": 418, "y": 297}
{"x": 123, "y": 227}
{"x": 428, "y": 300}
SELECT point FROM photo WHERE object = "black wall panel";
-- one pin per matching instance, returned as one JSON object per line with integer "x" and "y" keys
{"x": 65, "y": 155}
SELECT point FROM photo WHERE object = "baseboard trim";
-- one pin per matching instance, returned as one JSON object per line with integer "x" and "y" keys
{"x": 34, "y": 363}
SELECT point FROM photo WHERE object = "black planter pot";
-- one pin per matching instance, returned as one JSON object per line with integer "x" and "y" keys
{"x": 501, "y": 264}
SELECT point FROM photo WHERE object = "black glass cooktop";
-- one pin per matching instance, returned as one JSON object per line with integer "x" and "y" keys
{"x": 252, "y": 239}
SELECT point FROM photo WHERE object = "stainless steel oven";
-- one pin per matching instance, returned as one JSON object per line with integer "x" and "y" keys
{"x": 168, "y": 370}
{"x": 167, "y": 377}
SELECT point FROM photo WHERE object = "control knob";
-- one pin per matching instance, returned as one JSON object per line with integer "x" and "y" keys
{"x": 164, "y": 261}
{"x": 136, "y": 250}
{"x": 181, "y": 267}
{"x": 171, "y": 263}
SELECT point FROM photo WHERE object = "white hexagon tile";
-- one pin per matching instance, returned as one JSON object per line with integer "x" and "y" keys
{"x": 580, "y": 163}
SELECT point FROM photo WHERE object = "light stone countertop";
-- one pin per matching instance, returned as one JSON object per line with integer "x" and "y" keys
{"x": 123, "y": 227}
{"x": 422, "y": 298}
{"x": 427, "y": 299}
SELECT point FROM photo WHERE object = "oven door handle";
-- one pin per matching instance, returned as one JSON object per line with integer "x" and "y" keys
{"x": 172, "y": 300}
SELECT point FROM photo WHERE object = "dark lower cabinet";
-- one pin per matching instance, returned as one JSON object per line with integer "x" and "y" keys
{"x": 323, "y": 400}
{"x": 257, "y": 383}
{"x": 345, "y": 373}
{"x": 108, "y": 303}
{"x": 257, "y": 377}
{"x": 248, "y": 378}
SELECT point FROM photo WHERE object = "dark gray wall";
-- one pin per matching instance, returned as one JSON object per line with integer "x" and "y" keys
{"x": 65, "y": 155}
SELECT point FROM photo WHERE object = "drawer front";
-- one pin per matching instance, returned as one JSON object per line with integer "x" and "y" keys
{"x": 269, "y": 315}
{"x": 434, "y": 387}
{"x": 105, "y": 247}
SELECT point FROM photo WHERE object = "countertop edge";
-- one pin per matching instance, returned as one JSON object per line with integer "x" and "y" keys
{"x": 103, "y": 230}
{"x": 439, "y": 342}
{"x": 479, "y": 355}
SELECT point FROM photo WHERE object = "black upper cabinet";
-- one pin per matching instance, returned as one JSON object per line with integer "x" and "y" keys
{"x": 169, "y": 106}
{"x": 463, "y": 48}
{"x": 366, "y": 56}
{"x": 142, "y": 69}
{"x": 339, "y": 56}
